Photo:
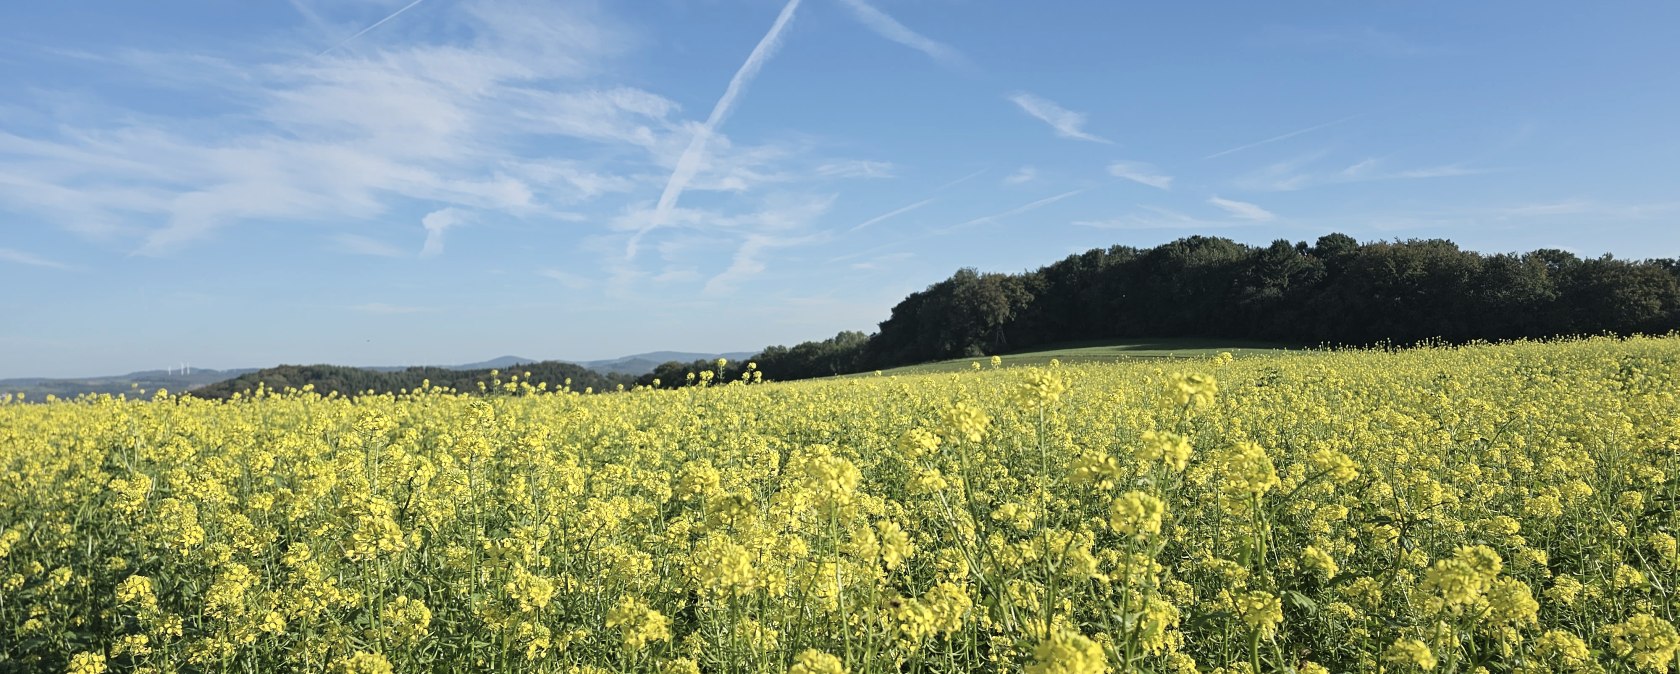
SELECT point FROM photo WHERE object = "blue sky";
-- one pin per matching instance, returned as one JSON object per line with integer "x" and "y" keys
{"x": 239, "y": 184}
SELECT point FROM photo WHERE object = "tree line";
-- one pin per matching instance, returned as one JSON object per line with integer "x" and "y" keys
{"x": 352, "y": 381}
{"x": 1334, "y": 291}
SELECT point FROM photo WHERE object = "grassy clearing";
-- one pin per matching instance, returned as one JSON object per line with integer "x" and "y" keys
{"x": 1107, "y": 352}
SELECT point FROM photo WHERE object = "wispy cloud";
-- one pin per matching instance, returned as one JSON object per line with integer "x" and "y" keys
{"x": 890, "y": 214}
{"x": 747, "y": 262}
{"x": 323, "y": 140}
{"x": 1154, "y": 217}
{"x": 780, "y": 220}
{"x": 1285, "y": 136}
{"x": 1446, "y": 171}
{"x": 30, "y": 259}
{"x": 1243, "y": 210}
{"x": 689, "y": 163}
{"x": 1022, "y": 175}
{"x": 890, "y": 28}
{"x": 1566, "y": 207}
{"x": 1067, "y": 123}
{"x": 856, "y": 168}
{"x": 1141, "y": 173}
{"x": 1030, "y": 206}
{"x": 1298, "y": 174}
{"x": 384, "y": 309}
{"x": 357, "y": 244}
{"x": 1588, "y": 207}
{"x": 436, "y": 223}
{"x": 569, "y": 279}
{"x": 780, "y": 226}
{"x": 880, "y": 261}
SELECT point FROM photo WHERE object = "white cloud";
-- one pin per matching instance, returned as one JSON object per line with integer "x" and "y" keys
{"x": 880, "y": 261}
{"x": 476, "y": 120}
{"x": 1067, "y": 123}
{"x": 488, "y": 110}
{"x": 891, "y": 29}
{"x": 30, "y": 259}
{"x": 856, "y": 168}
{"x": 1243, "y": 210}
{"x": 1299, "y": 173}
{"x": 436, "y": 223}
{"x": 784, "y": 221}
{"x": 566, "y": 278}
{"x": 1141, "y": 173}
{"x": 384, "y": 309}
{"x": 358, "y": 244}
{"x": 1447, "y": 171}
{"x": 1022, "y": 175}
{"x": 1361, "y": 168}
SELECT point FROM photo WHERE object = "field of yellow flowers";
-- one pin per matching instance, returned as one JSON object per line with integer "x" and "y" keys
{"x": 1506, "y": 508}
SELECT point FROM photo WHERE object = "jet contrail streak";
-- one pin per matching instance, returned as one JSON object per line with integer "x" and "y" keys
{"x": 376, "y": 24}
{"x": 689, "y": 163}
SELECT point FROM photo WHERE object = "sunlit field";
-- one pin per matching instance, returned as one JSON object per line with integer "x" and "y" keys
{"x": 1502, "y": 508}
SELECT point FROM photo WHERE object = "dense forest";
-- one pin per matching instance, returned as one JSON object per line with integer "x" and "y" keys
{"x": 1335, "y": 291}
{"x": 350, "y": 381}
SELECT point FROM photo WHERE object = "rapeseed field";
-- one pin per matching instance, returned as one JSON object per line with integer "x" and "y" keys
{"x": 1484, "y": 508}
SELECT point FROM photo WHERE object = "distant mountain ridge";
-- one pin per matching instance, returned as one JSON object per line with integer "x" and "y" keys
{"x": 643, "y": 363}
{"x": 38, "y": 388}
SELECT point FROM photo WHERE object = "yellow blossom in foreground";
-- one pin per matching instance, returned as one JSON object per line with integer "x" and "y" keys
{"x": 1261, "y": 611}
{"x": 1137, "y": 514}
{"x": 363, "y": 663}
{"x": 1647, "y": 640}
{"x": 813, "y": 661}
{"x": 87, "y": 663}
{"x": 1169, "y": 448}
{"x": 637, "y": 623}
{"x": 1412, "y": 652}
{"x": 1067, "y": 652}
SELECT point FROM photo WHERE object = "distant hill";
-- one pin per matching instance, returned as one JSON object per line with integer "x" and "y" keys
{"x": 643, "y": 363}
{"x": 502, "y": 363}
{"x": 634, "y": 365}
{"x": 38, "y": 388}
{"x": 350, "y": 381}
{"x": 602, "y": 374}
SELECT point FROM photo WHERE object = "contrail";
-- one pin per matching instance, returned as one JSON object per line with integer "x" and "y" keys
{"x": 376, "y": 24}
{"x": 1275, "y": 139}
{"x": 884, "y": 216}
{"x": 689, "y": 163}
{"x": 1013, "y": 211}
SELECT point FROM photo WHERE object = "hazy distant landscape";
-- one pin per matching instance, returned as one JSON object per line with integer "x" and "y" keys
{"x": 37, "y": 388}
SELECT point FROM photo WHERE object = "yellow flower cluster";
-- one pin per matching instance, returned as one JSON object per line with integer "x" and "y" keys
{"x": 1498, "y": 508}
